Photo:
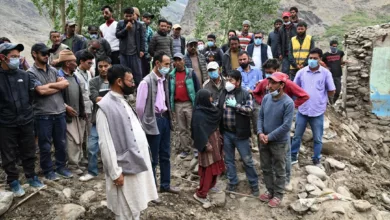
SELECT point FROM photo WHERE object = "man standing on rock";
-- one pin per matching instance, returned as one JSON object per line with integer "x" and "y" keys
{"x": 318, "y": 83}
{"x": 237, "y": 107}
{"x": 196, "y": 61}
{"x": 16, "y": 119}
{"x": 275, "y": 119}
{"x": 108, "y": 30}
{"x": 125, "y": 149}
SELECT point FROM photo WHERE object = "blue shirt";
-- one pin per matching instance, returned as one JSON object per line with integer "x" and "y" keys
{"x": 249, "y": 79}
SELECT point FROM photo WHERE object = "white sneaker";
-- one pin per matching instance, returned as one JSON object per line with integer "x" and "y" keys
{"x": 86, "y": 178}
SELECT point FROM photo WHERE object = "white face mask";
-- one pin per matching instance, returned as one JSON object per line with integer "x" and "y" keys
{"x": 229, "y": 86}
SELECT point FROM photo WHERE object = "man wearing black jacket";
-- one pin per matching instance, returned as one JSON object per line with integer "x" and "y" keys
{"x": 131, "y": 35}
{"x": 287, "y": 31}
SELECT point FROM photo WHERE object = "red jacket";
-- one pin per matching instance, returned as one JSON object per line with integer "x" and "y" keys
{"x": 291, "y": 89}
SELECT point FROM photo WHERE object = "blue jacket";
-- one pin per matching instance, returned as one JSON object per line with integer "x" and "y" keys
{"x": 273, "y": 40}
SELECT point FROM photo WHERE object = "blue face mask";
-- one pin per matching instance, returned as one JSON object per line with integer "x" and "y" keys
{"x": 214, "y": 74}
{"x": 164, "y": 70}
{"x": 258, "y": 41}
{"x": 275, "y": 93}
{"x": 13, "y": 63}
{"x": 333, "y": 49}
{"x": 313, "y": 63}
{"x": 267, "y": 75}
{"x": 210, "y": 43}
{"x": 94, "y": 36}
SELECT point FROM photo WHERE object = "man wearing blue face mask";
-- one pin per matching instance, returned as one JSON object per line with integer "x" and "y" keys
{"x": 259, "y": 51}
{"x": 215, "y": 84}
{"x": 286, "y": 32}
{"x": 212, "y": 47}
{"x": 154, "y": 111}
{"x": 334, "y": 61}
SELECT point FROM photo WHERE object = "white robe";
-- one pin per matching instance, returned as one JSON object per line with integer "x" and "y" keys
{"x": 129, "y": 200}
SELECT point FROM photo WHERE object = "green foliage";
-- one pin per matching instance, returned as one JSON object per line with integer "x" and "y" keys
{"x": 218, "y": 16}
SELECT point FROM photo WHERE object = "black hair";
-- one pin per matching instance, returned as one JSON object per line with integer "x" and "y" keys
{"x": 3, "y": 39}
{"x": 129, "y": 10}
{"x": 107, "y": 6}
{"x": 162, "y": 20}
{"x": 317, "y": 51}
{"x": 201, "y": 41}
{"x": 93, "y": 41}
{"x": 234, "y": 38}
{"x": 93, "y": 27}
{"x": 170, "y": 23}
{"x": 302, "y": 24}
{"x": 294, "y": 9}
{"x": 85, "y": 55}
{"x": 6, "y": 52}
{"x": 278, "y": 21}
{"x": 271, "y": 63}
{"x": 211, "y": 36}
{"x": 242, "y": 52}
{"x": 333, "y": 42}
{"x": 235, "y": 74}
{"x": 103, "y": 59}
{"x": 259, "y": 32}
{"x": 53, "y": 32}
{"x": 235, "y": 33}
{"x": 158, "y": 57}
{"x": 117, "y": 71}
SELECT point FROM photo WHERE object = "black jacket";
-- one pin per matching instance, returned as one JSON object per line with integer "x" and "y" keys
{"x": 16, "y": 96}
{"x": 121, "y": 34}
{"x": 284, "y": 40}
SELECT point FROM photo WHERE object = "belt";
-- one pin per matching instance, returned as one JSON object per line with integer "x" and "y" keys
{"x": 162, "y": 115}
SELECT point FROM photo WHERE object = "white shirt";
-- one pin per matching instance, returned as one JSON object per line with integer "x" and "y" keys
{"x": 256, "y": 57}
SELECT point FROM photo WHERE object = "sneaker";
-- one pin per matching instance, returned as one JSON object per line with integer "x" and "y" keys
{"x": 274, "y": 202}
{"x": 205, "y": 201}
{"x": 265, "y": 197}
{"x": 183, "y": 155}
{"x": 255, "y": 191}
{"x": 215, "y": 190}
{"x": 17, "y": 188}
{"x": 319, "y": 165}
{"x": 52, "y": 176}
{"x": 35, "y": 182}
{"x": 294, "y": 161}
{"x": 65, "y": 173}
{"x": 196, "y": 154}
{"x": 86, "y": 178}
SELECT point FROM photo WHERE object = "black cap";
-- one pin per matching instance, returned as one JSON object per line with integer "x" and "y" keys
{"x": 39, "y": 47}
{"x": 148, "y": 15}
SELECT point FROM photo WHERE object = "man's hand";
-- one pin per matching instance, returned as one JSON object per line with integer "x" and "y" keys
{"x": 54, "y": 62}
{"x": 231, "y": 102}
{"x": 280, "y": 57}
{"x": 119, "y": 181}
{"x": 141, "y": 54}
{"x": 59, "y": 79}
{"x": 129, "y": 25}
{"x": 98, "y": 99}
{"x": 251, "y": 91}
{"x": 70, "y": 111}
{"x": 263, "y": 138}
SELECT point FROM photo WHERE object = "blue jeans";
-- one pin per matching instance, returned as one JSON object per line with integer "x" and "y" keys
{"x": 51, "y": 127}
{"x": 161, "y": 151}
{"x": 231, "y": 142}
{"x": 317, "y": 126}
{"x": 285, "y": 65}
{"x": 93, "y": 150}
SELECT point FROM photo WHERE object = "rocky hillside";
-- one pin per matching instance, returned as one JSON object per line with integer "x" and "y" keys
{"x": 174, "y": 11}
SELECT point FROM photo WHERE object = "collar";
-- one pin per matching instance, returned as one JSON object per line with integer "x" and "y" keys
{"x": 117, "y": 95}
{"x": 317, "y": 71}
{"x": 110, "y": 21}
{"x": 242, "y": 70}
{"x": 38, "y": 68}
{"x": 162, "y": 78}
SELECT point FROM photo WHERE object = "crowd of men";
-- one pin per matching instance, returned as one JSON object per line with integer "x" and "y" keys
{"x": 73, "y": 97}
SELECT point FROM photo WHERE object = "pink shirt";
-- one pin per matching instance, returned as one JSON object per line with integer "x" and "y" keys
{"x": 142, "y": 96}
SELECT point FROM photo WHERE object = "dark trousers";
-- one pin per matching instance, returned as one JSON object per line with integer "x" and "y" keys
{"x": 145, "y": 66}
{"x": 337, "y": 83}
{"x": 51, "y": 127}
{"x": 273, "y": 165}
{"x": 161, "y": 151}
{"x": 134, "y": 63}
{"x": 115, "y": 57}
{"x": 19, "y": 138}
{"x": 292, "y": 74}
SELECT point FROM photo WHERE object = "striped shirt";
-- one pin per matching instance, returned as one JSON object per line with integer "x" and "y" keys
{"x": 245, "y": 40}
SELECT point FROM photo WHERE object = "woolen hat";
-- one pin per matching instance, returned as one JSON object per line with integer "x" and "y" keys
{"x": 246, "y": 22}
{"x": 66, "y": 55}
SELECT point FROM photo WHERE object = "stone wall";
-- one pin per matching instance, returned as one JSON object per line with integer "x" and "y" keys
{"x": 359, "y": 45}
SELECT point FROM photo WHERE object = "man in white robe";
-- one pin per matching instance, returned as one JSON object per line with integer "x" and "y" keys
{"x": 129, "y": 188}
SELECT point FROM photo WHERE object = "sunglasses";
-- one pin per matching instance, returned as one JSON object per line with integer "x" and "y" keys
{"x": 258, "y": 37}
{"x": 45, "y": 53}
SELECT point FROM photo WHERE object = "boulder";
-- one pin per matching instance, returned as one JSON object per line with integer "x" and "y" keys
{"x": 70, "y": 212}
{"x": 219, "y": 199}
{"x": 307, "y": 135}
{"x": 302, "y": 195}
{"x": 330, "y": 147}
{"x": 338, "y": 210}
{"x": 316, "y": 171}
{"x": 6, "y": 199}
{"x": 361, "y": 205}
{"x": 98, "y": 187}
{"x": 314, "y": 180}
{"x": 67, "y": 192}
{"x": 88, "y": 197}
{"x": 335, "y": 163}
{"x": 344, "y": 191}
{"x": 385, "y": 198}
{"x": 385, "y": 150}
{"x": 310, "y": 187}
{"x": 193, "y": 163}
{"x": 374, "y": 135}
{"x": 315, "y": 193}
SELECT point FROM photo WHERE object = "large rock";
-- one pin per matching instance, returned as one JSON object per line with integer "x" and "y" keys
{"x": 307, "y": 135}
{"x": 316, "y": 171}
{"x": 335, "y": 163}
{"x": 88, "y": 197}
{"x": 330, "y": 147}
{"x": 70, "y": 212}
{"x": 361, "y": 205}
{"x": 373, "y": 135}
{"x": 219, "y": 199}
{"x": 348, "y": 129}
{"x": 344, "y": 191}
{"x": 5, "y": 201}
{"x": 385, "y": 198}
{"x": 67, "y": 192}
{"x": 314, "y": 180}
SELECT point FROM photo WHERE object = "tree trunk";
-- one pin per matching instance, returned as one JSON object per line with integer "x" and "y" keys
{"x": 118, "y": 13}
{"x": 62, "y": 12}
{"x": 53, "y": 12}
{"x": 80, "y": 16}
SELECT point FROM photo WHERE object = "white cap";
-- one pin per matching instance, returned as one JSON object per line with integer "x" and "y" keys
{"x": 212, "y": 66}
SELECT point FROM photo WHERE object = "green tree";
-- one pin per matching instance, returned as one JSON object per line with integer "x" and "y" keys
{"x": 218, "y": 16}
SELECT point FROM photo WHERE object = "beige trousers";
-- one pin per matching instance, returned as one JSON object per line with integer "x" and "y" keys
{"x": 183, "y": 111}
{"x": 75, "y": 136}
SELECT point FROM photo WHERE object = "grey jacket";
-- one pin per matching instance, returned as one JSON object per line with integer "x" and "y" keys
{"x": 121, "y": 34}
{"x": 202, "y": 66}
{"x": 129, "y": 156}
{"x": 94, "y": 86}
{"x": 161, "y": 43}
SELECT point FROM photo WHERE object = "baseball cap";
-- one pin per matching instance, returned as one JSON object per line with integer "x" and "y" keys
{"x": 176, "y": 26}
{"x": 148, "y": 15}
{"x": 278, "y": 77}
{"x": 212, "y": 66}
{"x": 192, "y": 41}
{"x": 10, "y": 46}
{"x": 39, "y": 47}
{"x": 71, "y": 23}
{"x": 178, "y": 55}
{"x": 286, "y": 14}
{"x": 246, "y": 22}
